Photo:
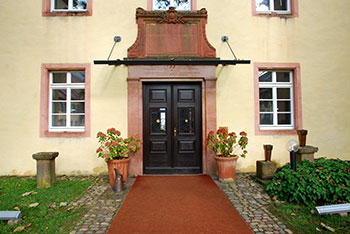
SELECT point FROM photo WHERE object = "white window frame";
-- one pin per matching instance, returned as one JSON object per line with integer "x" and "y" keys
{"x": 68, "y": 86}
{"x": 171, "y": 4}
{"x": 272, "y": 8}
{"x": 70, "y": 7}
{"x": 274, "y": 85}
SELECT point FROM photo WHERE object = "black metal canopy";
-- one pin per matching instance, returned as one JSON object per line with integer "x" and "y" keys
{"x": 215, "y": 62}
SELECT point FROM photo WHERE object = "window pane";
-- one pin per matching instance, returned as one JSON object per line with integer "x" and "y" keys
{"x": 59, "y": 94}
{"x": 265, "y": 76}
{"x": 158, "y": 121}
{"x": 61, "y": 4}
{"x": 282, "y": 76}
{"x": 77, "y": 107}
{"x": 265, "y": 93}
{"x": 262, "y": 5}
{"x": 283, "y": 93}
{"x": 77, "y": 120}
{"x": 186, "y": 120}
{"x": 78, "y": 77}
{"x": 182, "y": 5}
{"x": 78, "y": 94}
{"x": 161, "y": 4}
{"x": 281, "y": 5}
{"x": 284, "y": 118}
{"x": 283, "y": 106}
{"x": 266, "y": 106}
{"x": 58, "y": 120}
{"x": 59, "y": 77}
{"x": 59, "y": 107}
{"x": 266, "y": 119}
{"x": 79, "y": 4}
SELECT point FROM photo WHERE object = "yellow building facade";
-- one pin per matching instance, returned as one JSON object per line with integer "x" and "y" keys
{"x": 311, "y": 42}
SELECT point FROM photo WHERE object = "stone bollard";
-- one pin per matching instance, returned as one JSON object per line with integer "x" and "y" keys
{"x": 306, "y": 153}
{"x": 45, "y": 170}
{"x": 266, "y": 169}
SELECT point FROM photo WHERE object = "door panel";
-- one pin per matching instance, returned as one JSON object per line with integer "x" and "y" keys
{"x": 172, "y": 128}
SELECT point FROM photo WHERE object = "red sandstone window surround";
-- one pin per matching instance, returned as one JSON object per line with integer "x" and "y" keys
{"x": 277, "y": 98}
{"x": 65, "y": 100}
{"x": 66, "y": 8}
{"x": 275, "y": 8}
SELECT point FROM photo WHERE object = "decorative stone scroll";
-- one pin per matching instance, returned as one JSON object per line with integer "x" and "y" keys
{"x": 164, "y": 34}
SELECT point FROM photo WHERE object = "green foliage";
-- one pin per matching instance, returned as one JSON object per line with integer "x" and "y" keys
{"x": 48, "y": 216}
{"x": 324, "y": 181}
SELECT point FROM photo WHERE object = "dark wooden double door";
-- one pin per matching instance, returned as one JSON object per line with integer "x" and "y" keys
{"x": 172, "y": 128}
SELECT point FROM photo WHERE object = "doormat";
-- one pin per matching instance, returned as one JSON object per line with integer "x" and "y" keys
{"x": 177, "y": 204}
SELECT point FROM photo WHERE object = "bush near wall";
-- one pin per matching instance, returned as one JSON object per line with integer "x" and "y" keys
{"x": 324, "y": 181}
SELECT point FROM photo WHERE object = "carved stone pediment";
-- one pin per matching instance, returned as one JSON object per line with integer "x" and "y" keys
{"x": 172, "y": 16}
{"x": 171, "y": 34}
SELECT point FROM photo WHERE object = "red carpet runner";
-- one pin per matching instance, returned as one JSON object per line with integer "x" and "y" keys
{"x": 177, "y": 204}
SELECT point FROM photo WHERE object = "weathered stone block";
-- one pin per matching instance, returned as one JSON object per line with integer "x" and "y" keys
{"x": 306, "y": 153}
{"x": 46, "y": 174}
{"x": 265, "y": 169}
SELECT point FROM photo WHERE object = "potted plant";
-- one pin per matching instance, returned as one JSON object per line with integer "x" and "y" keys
{"x": 116, "y": 150}
{"x": 227, "y": 148}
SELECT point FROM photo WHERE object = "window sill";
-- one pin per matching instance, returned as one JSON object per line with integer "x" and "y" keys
{"x": 275, "y": 14}
{"x": 275, "y": 132}
{"x": 66, "y": 134}
{"x": 67, "y": 13}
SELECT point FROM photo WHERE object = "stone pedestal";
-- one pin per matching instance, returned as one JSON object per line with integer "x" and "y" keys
{"x": 265, "y": 170}
{"x": 306, "y": 153}
{"x": 45, "y": 170}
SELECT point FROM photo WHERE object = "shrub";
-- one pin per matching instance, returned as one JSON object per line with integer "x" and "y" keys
{"x": 324, "y": 181}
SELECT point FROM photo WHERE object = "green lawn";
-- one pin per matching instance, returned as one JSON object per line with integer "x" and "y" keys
{"x": 300, "y": 219}
{"x": 48, "y": 216}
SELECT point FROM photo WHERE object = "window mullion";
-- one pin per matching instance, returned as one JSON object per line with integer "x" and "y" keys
{"x": 69, "y": 96}
{"x": 272, "y": 5}
{"x": 274, "y": 106}
{"x": 70, "y": 5}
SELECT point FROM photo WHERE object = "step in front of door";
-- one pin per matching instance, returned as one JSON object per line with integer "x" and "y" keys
{"x": 172, "y": 170}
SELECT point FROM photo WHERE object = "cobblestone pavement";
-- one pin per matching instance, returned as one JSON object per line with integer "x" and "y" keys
{"x": 250, "y": 200}
{"x": 104, "y": 202}
{"x": 247, "y": 196}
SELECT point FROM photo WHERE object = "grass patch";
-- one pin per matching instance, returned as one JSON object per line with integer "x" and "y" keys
{"x": 300, "y": 219}
{"x": 47, "y": 216}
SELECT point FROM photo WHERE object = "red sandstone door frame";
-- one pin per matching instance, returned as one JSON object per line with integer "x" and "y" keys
{"x": 204, "y": 74}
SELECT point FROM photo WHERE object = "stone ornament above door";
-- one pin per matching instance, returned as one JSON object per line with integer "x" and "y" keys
{"x": 171, "y": 34}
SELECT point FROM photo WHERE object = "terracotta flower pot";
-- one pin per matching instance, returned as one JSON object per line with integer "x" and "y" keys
{"x": 122, "y": 165}
{"x": 267, "y": 151}
{"x": 226, "y": 167}
{"x": 302, "y": 137}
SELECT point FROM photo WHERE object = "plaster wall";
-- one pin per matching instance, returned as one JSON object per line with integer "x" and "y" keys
{"x": 317, "y": 39}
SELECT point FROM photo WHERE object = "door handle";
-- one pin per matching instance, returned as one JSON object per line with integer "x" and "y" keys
{"x": 174, "y": 131}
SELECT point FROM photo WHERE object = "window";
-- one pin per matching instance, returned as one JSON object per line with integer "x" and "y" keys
{"x": 66, "y": 7}
{"x": 65, "y": 100}
{"x": 276, "y": 100}
{"x": 69, "y": 5}
{"x": 278, "y": 104}
{"x": 278, "y": 6}
{"x": 180, "y": 5}
{"x": 281, "y": 8}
